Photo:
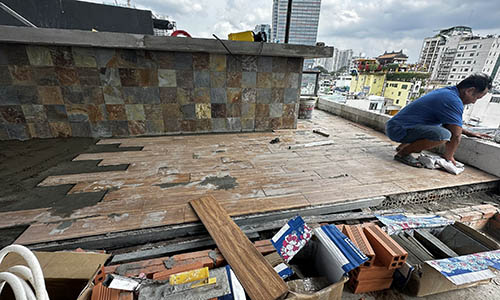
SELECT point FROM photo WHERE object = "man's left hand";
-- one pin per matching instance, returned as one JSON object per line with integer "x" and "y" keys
{"x": 480, "y": 135}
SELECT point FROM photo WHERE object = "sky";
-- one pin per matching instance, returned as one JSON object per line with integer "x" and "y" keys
{"x": 366, "y": 26}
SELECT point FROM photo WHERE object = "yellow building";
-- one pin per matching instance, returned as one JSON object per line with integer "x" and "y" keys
{"x": 368, "y": 83}
{"x": 399, "y": 91}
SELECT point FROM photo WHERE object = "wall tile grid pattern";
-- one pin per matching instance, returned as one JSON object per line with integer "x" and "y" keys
{"x": 54, "y": 91}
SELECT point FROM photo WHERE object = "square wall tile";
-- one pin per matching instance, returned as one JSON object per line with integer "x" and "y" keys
{"x": 249, "y": 63}
{"x": 234, "y": 79}
{"x": 265, "y": 64}
{"x": 116, "y": 112}
{"x": 201, "y": 79}
{"x": 183, "y": 61}
{"x": 60, "y": 129}
{"x": 56, "y": 113}
{"x": 218, "y": 95}
{"x": 168, "y": 95}
{"x": 62, "y": 56}
{"x": 249, "y": 80}
{"x": 112, "y": 94}
{"x": 217, "y": 79}
{"x": 84, "y": 57}
{"x": 50, "y": 95}
{"x": 8, "y": 95}
{"x": 39, "y": 56}
{"x": 201, "y": 61}
{"x": 12, "y": 114}
{"x": 203, "y": 111}
{"x": 217, "y": 62}
{"x": 20, "y": 75}
{"x": 184, "y": 78}
{"x": 135, "y": 112}
{"x": 167, "y": 78}
{"x": 137, "y": 127}
{"x": 110, "y": 76}
{"x": 201, "y": 95}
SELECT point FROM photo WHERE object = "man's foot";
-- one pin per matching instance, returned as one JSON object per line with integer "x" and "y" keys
{"x": 401, "y": 146}
{"x": 409, "y": 160}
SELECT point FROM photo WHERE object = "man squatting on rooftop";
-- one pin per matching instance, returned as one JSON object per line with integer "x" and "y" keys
{"x": 435, "y": 119}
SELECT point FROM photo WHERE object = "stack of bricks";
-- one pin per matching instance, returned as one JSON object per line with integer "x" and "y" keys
{"x": 161, "y": 268}
{"x": 384, "y": 254}
{"x": 474, "y": 216}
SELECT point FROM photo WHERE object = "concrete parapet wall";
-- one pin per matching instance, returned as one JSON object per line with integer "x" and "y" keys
{"x": 484, "y": 155}
{"x": 363, "y": 117}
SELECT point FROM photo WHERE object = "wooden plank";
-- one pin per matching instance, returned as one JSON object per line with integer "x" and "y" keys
{"x": 256, "y": 275}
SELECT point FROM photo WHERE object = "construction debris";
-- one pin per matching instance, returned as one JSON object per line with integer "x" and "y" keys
{"x": 313, "y": 144}
{"x": 321, "y": 132}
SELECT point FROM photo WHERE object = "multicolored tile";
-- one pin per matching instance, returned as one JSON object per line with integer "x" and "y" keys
{"x": 60, "y": 129}
{"x": 21, "y": 75}
{"x": 84, "y": 57}
{"x": 203, "y": 110}
{"x": 50, "y": 95}
{"x": 39, "y": 56}
{"x": 201, "y": 61}
{"x": 135, "y": 112}
{"x": 116, "y": 112}
{"x": 167, "y": 78}
{"x": 217, "y": 62}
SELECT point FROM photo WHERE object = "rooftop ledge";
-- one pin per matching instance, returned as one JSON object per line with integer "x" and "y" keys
{"x": 64, "y": 37}
{"x": 482, "y": 154}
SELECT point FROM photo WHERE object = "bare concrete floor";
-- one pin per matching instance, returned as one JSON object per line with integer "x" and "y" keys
{"x": 151, "y": 183}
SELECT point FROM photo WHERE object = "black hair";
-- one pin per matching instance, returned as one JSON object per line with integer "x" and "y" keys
{"x": 479, "y": 81}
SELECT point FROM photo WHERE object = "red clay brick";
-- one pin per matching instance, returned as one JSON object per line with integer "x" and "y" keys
{"x": 478, "y": 224}
{"x": 99, "y": 277}
{"x": 388, "y": 252}
{"x": 487, "y": 210}
{"x": 467, "y": 214}
{"x": 357, "y": 236}
{"x": 371, "y": 285}
{"x": 164, "y": 275}
{"x": 377, "y": 270}
{"x": 150, "y": 266}
{"x": 100, "y": 292}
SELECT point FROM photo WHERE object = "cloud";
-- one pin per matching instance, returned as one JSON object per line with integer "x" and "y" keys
{"x": 370, "y": 26}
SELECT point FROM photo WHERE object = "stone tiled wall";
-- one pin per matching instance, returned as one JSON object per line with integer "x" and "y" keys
{"x": 55, "y": 91}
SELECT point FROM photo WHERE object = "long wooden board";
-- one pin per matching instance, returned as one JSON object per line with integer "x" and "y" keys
{"x": 258, "y": 278}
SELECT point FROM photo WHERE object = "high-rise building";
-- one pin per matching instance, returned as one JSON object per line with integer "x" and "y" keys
{"x": 264, "y": 28}
{"x": 303, "y": 21}
{"x": 474, "y": 55}
{"x": 345, "y": 57}
{"x": 438, "y": 49}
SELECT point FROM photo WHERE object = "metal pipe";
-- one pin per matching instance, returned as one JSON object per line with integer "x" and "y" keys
{"x": 288, "y": 18}
{"x": 13, "y": 13}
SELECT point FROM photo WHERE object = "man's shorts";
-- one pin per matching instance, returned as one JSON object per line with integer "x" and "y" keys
{"x": 420, "y": 132}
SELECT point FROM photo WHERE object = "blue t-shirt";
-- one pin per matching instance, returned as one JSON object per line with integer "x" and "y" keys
{"x": 440, "y": 107}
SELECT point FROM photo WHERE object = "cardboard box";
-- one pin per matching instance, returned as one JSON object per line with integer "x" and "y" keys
{"x": 428, "y": 281}
{"x": 65, "y": 273}
{"x": 299, "y": 291}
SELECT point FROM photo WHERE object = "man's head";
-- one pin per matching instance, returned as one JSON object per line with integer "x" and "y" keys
{"x": 474, "y": 87}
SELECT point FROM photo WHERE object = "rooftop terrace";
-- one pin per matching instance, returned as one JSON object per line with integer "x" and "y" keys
{"x": 152, "y": 185}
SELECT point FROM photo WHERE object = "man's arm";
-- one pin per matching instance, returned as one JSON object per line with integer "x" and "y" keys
{"x": 452, "y": 145}
{"x": 476, "y": 134}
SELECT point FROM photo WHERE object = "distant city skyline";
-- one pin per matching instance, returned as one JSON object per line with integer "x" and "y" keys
{"x": 366, "y": 26}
